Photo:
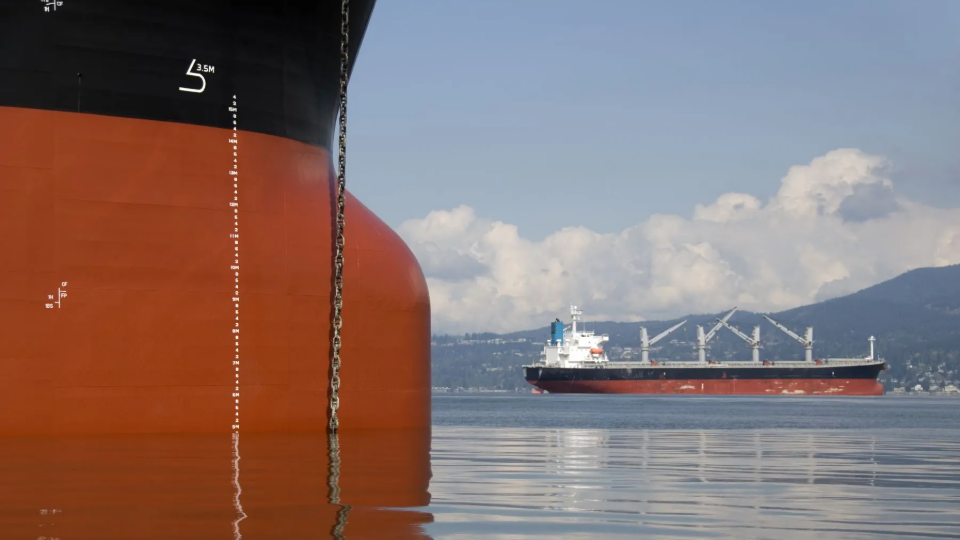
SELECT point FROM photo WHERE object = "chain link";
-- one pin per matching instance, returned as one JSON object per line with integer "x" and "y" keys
{"x": 341, "y": 194}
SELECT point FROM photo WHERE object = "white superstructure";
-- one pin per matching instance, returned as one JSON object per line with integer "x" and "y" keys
{"x": 570, "y": 346}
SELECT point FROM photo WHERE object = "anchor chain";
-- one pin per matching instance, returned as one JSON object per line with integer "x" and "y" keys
{"x": 341, "y": 194}
{"x": 333, "y": 438}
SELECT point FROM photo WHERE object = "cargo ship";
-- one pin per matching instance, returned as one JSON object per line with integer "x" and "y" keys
{"x": 167, "y": 224}
{"x": 574, "y": 361}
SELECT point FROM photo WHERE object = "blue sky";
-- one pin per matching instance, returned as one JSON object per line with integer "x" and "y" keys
{"x": 554, "y": 113}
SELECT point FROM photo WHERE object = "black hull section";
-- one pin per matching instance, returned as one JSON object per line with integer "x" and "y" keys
{"x": 281, "y": 58}
{"x": 836, "y": 380}
{"x": 555, "y": 374}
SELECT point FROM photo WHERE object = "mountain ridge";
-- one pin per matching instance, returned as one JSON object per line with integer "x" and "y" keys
{"x": 915, "y": 318}
{"x": 890, "y": 294}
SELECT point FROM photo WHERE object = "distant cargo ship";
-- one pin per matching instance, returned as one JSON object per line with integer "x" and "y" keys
{"x": 573, "y": 361}
{"x": 166, "y": 183}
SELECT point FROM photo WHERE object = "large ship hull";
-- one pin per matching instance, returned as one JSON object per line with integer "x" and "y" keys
{"x": 166, "y": 253}
{"x": 843, "y": 379}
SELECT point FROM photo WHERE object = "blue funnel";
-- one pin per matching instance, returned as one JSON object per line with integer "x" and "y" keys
{"x": 556, "y": 332}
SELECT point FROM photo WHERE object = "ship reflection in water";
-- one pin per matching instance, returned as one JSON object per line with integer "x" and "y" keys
{"x": 491, "y": 482}
{"x": 214, "y": 486}
{"x": 731, "y": 484}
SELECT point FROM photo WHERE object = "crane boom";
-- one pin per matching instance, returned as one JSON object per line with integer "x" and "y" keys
{"x": 736, "y": 331}
{"x": 754, "y": 341}
{"x": 703, "y": 339}
{"x": 720, "y": 322}
{"x": 807, "y": 341}
{"x": 646, "y": 342}
{"x": 789, "y": 332}
{"x": 663, "y": 334}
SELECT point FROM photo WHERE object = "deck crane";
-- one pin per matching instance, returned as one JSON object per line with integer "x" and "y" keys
{"x": 646, "y": 342}
{"x": 703, "y": 339}
{"x": 754, "y": 341}
{"x": 806, "y": 341}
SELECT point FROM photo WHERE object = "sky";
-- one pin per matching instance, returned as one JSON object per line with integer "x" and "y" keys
{"x": 651, "y": 159}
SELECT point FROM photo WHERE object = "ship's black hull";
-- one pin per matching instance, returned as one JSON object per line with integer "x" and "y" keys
{"x": 130, "y": 60}
{"x": 830, "y": 379}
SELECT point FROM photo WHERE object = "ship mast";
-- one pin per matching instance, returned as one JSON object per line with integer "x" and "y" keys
{"x": 806, "y": 341}
{"x": 574, "y": 317}
{"x": 754, "y": 341}
{"x": 703, "y": 339}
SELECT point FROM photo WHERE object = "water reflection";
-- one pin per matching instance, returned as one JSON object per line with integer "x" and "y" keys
{"x": 214, "y": 486}
{"x": 241, "y": 515}
{"x": 597, "y": 483}
{"x": 488, "y": 483}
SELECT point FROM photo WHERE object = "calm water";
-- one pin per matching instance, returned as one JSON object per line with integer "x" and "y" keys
{"x": 517, "y": 467}
{"x": 673, "y": 467}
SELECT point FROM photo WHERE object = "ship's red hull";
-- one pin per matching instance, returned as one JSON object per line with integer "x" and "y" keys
{"x": 829, "y": 387}
{"x": 136, "y": 216}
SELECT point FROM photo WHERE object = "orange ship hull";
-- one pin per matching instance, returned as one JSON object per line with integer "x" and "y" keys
{"x": 192, "y": 306}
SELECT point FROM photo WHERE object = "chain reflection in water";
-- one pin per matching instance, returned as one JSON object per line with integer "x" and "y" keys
{"x": 241, "y": 515}
{"x": 333, "y": 442}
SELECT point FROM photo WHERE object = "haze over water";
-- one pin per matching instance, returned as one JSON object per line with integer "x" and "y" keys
{"x": 518, "y": 467}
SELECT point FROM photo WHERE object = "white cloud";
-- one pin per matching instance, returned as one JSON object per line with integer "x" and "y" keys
{"x": 835, "y": 226}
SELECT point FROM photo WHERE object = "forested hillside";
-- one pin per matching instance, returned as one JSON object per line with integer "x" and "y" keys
{"x": 915, "y": 318}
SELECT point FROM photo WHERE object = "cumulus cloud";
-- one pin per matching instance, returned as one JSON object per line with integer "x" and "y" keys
{"x": 835, "y": 226}
{"x": 869, "y": 201}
